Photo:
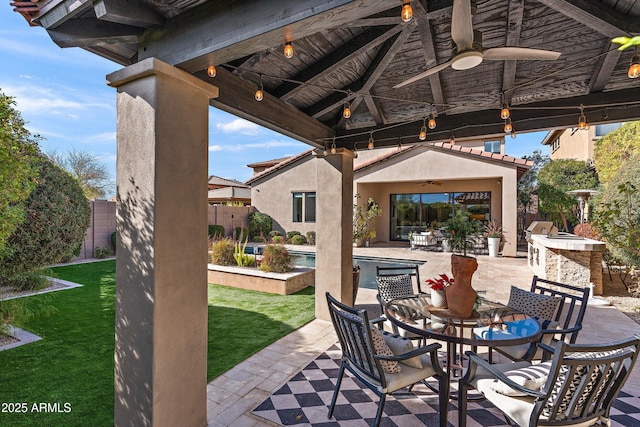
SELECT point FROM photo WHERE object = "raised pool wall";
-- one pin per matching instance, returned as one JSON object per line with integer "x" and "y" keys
{"x": 254, "y": 279}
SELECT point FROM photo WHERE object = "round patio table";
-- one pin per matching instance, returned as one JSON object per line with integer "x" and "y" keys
{"x": 491, "y": 324}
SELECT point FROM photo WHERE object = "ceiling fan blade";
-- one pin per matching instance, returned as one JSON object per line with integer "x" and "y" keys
{"x": 519, "y": 53}
{"x": 462, "y": 25}
{"x": 424, "y": 74}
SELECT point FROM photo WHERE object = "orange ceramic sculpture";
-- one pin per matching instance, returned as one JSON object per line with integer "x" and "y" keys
{"x": 461, "y": 297}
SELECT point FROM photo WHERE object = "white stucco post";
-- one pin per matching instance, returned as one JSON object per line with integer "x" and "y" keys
{"x": 510, "y": 212}
{"x": 334, "y": 235}
{"x": 161, "y": 270}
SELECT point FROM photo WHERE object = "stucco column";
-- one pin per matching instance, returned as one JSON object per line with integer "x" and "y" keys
{"x": 510, "y": 212}
{"x": 161, "y": 270}
{"x": 334, "y": 238}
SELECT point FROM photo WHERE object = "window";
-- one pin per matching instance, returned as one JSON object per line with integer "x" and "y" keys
{"x": 492, "y": 146}
{"x": 297, "y": 207}
{"x": 555, "y": 145}
{"x": 309, "y": 207}
{"x": 304, "y": 206}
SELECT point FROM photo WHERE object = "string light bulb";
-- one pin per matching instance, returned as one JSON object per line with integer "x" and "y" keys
{"x": 432, "y": 121}
{"x": 407, "y": 12}
{"x": 423, "y": 130}
{"x": 508, "y": 127}
{"x": 399, "y": 143}
{"x": 333, "y": 146}
{"x": 583, "y": 124}
{"x": 260, "y": 91}
{"x": 370, "y": 145}
{"x": 325, "y": 152}
{"x": 211, "y": 71}
{"x": 355, "y": 150}
{"x": 505, "y": 113}
{"x": 346, "y": 113}
{"x": 452, "y": 140}
{"x": 634, "y": 68}
{"x": 288, "y": 50}
{"x": 513, "y": 134}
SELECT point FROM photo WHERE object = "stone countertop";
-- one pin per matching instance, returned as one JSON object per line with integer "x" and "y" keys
{"x": 569, "y": 242}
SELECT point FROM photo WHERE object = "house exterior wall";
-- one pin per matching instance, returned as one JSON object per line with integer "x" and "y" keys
{"x": 574, "y": 144}
{"x": 101, "y": 224}
{"x": 274, "y": 194}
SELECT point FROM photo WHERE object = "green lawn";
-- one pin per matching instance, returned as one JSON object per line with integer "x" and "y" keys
{"x": 73, "y": 363}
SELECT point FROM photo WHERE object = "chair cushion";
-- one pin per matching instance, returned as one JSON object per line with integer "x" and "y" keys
{"x": 381, "y": 348}
{"x": 400, "y": 345}
{"x": 517, "y": 352}
{"x": 390, "y": 287}
{"x": 532, "y": 377}
{"x": 532, "y": 303}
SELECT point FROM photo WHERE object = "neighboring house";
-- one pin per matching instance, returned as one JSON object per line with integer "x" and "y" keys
{"x": 576, "y": 144}
{"x": 224, "y": 191}
{"x": 416, "y": 187}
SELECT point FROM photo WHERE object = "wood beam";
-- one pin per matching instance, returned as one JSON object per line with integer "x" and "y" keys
{"x": 88, "y": 32}
{"x": 604, "y": 69}
{"x": 375, "y": 111}
{"x": 53, "y": 14}
{"x": 514, "y": 29}
{"x": 430, "y": 55}
{"x": 128, "y": 12}
{"x": 597, "y": 16}
{"x": 219, "y": 32}
{"x": 335, "y": 60}
{"x": 540, "y": 116}
{"x": 237, "y": 97}
{"x": 373, "y": 22}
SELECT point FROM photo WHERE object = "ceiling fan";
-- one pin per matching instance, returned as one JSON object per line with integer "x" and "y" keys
{"x": 436, "y": 183}
{"x": 468, "y": 51}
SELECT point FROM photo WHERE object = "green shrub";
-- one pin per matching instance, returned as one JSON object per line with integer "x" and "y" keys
{"x": 276, "y": 259}
{"x": 298, "y": 240}
{"x": 259, "y": 224}
{"x": 278, "y": 239}
{"x": 242, "y": 259}
{"x": 290, "y": 235}
{"x": 29, "y": 281}
{"x": 216, "y": 231}
{"x": 274, "y": 233}
{"x": 18, "y": 311}
{"x": 258, "y": 239}
{"x": 113, "y": 242}
{"x": 56, "y": 220}
{"x": 222, "y": 252}
{"x": 101, "y": 252}
{"x": 311, "y": 237}
{"x": 240, "y": 233}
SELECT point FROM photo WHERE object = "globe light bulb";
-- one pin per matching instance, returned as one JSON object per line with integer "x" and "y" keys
{"x": 634, "y": 68}
{"x": 346, "y": 113}
{"x": 211, "y": 71}
{"x": 288, "y": 50}
{"x": 407, "y": 12}
{"x": 432, "y": 121}
{"x": 259, "y": 94}
{"x": 423, "y": 133}
{"x": 370, "y": 145}
{"x": 504, "y": 113}
{"x": 508, "y": 127}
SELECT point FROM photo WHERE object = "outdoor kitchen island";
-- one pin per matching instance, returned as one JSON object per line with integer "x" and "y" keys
{"x": 567, "y": 258}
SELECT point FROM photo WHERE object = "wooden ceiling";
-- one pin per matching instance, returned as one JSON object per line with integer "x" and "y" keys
{"x": 358, "y": 50}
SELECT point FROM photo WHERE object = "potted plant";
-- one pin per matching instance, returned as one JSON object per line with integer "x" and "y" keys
{"x": 363, "y": 220}
{"x": 494, "y": 234}
{"x": 459, "y": 229}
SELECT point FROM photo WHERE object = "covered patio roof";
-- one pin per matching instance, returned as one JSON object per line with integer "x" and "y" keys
{"x": 358, "y": 50}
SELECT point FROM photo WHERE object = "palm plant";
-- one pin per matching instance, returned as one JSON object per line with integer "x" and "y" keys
{"x": 460, "y": 227}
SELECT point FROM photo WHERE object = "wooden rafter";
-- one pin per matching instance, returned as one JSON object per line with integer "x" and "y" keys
{"x": 514, "y": 29}
{"x": 430, "y": 56}
{"x": 597, "y": 16}
{"x": 86, "y": 33}
{"x": 131, "y": 12}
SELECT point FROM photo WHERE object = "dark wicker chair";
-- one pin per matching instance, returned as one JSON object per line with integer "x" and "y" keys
{"x": 359, "y": 357}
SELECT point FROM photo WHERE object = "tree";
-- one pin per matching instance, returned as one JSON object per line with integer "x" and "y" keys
{"x": 56, "y": 219}
{"x": 617, "y": 216}
{"x": 528, "y": 184}
{"x": 558, "y": 177}
{"x": 615, "y": 148}
{"x": 362, "y": 220}
{"x": 17, "y": 170}
{"x": 93, "y": 176}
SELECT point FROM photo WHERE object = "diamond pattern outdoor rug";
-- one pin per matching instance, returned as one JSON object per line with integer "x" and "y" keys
{"x": 305, "y": 400}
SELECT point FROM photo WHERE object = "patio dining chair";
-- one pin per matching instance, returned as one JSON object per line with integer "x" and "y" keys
{"x": 384, "y": 362}
{"x": 576, "y": 388}
{"x": 559, "y": 308}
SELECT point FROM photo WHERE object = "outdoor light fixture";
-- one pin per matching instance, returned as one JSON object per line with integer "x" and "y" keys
{"x": 634, "y": 68}
{"x": 407, "y": 11}
{"x": 260, "y": 92}
{"x": 346, "y": 113}
{"x": 452, "y": 140}
{"x": 513, "y": 134}
{"x": 399, "y": 143}
{"x": 288, "y": 50}
{"x": 333, "y": 146}
{"x": 325, "y": 152}
{"x": 505, "y": 113}
{"x": 423, "y": 130}
{"x": 211, "y": 71}
{"x": 370, "y": 145}
{"x": 432, "y": 121}
{"x": 508, "y": 127}
{"x": 583, "y": 124}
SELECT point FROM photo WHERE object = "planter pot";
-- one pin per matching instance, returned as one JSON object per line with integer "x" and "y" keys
{"x": 439, "y": 298}
{"x": 461, "y": 297}
{"x": 494, "y": 246}
{"x": 445, "y": 246}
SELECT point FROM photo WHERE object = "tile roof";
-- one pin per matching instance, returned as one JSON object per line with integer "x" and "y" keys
{"x": 283, "y": 163}
{"x": 216, "y": 180}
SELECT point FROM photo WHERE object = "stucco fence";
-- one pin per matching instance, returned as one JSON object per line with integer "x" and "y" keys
{"x": 103, "y": 223}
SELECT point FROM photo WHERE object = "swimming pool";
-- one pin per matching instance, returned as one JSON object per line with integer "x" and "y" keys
{"x": 367, "y": 265}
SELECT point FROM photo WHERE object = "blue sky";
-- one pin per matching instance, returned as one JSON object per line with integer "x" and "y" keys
{"x": 63, "y": 96}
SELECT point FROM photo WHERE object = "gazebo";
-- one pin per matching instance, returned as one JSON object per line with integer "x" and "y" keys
{"x": 326, "y": 72}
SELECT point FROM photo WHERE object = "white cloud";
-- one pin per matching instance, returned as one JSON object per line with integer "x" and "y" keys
{"x": 216, "y": 148}
{"x": 273, "y": 143}
{"x": 102, "y": 137}
{"x": 241, "y": 126}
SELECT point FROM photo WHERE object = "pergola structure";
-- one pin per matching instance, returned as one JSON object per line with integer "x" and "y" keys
{"x": 346, "y": 53}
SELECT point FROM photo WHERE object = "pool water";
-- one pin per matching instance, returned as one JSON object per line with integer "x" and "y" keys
{"x": 367, "y": 265}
